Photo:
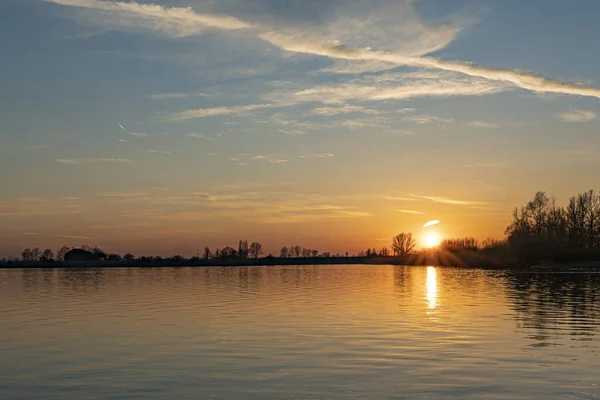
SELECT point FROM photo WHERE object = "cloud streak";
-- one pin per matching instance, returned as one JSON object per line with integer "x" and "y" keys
{"x": 411, "y": 212}
{"x": 80, "y": 161}
{"x": 180, "y": 22}
{"x": 171, "y": 21}
{"x": 576, "y": 115}
{"x": 336, "y": 50}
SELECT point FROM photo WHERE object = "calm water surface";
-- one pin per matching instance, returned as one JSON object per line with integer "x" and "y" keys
{"x": 337, "y": 332}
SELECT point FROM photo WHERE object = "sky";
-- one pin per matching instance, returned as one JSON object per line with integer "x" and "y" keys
{"x": 160, "y": 127}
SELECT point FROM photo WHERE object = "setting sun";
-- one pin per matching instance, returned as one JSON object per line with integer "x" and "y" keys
{"x": 430, "y": 240}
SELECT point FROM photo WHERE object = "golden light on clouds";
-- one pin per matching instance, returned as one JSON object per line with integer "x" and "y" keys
{"x": 431, "y": 223}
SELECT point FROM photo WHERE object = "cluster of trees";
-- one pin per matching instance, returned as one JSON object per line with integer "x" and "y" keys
{"x": 297, "y": 251}
{"x": 382, "y": 252}
{"x": 244, "y": 250}
{"x": 46, "y": 255}
{"x": 541, "y": 230}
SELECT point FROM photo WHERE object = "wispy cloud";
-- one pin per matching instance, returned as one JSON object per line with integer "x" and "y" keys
{"x": 31, "y": 233}
{"x": 446, "y": 200}
{"x": 159, "y": 152}
{"x": 345, "y": 109}
{"x": 74, "y": 237}
{"x": 336, "y": 50}
{"x": 217, "y": 111}
{"x": 391, "y": 86}
{"x": 411, "y": 212}
{"x": 431, "y": 223}
{"x": 171, "y": 21}
{"x": 575, "y": 115}
{"x": 124, "y": 141}
{"x": 67, "y": 161}
{"x": 399, "y": 198}
{"x": 80, "y": 161}
{"x": 200, "y": 136}
{"x": 171, "y": 96}
{"x": 111, "y": 160}
{"x": 122, "y": 194}
{"x": 179, "y": 22}
{"x": 292, "y": 132}
{"x": 428, "y": 119}
{"x": 483, "y": 124}
{"x": 318, "y": 155}
{"x": 138, "y": 134}
{"x": 244, "y": 159}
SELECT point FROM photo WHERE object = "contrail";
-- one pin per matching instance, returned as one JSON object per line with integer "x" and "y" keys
{"x": 121, "y": 126}
{"x": 431, "y": 223}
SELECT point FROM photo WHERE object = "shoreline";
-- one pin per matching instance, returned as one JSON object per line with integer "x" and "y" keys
{"x": 456, "y": 260}
{"x": 462, "y": 260}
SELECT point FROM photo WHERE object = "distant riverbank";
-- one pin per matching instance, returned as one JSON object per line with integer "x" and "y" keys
{"x": 443, "y": 259}
{"x": 472, "y": 260}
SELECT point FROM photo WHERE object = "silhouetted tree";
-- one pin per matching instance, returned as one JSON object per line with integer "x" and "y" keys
{"x": 113, "y": 257}
{"x": 207, "y": 253}
{"x": 128, "y": 257}
{"x": 541, "y": 230}
{"x": 228, "y": 252}
{"x": 314, "y": 253}
{"x": 47, "y": 256}
{"x": 403, "y": 244}
{"x": 26, "y": 255}
{"x": 243, "y": 249}
{"x": 296, "y": 250}
{"x": 256, "y": 250}
{"x": 177, "y": 258}
{"x": 305, "y": 252}
{"x": 284, "y": 252}
{"x": 384, "y": 252}
{"x": 60, "y": 253}
{"x": 460, "y": 244}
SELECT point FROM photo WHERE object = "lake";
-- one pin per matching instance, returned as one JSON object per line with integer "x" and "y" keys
{"x": 308, "y": 332}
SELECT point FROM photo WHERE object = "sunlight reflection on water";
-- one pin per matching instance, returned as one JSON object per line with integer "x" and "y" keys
{"x": 332, "y": 332}
{"x": 431, "y": 287}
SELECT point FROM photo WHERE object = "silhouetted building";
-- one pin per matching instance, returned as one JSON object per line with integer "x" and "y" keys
{"x": 80, "y": 255}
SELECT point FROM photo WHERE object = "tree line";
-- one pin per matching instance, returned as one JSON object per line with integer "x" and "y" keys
{"x": 540, "y": 230}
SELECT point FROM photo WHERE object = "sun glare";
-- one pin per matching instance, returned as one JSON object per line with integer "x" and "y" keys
{"x": 430, "y": 240}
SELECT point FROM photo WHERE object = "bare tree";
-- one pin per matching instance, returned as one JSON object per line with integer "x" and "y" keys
{"x": 27, "y": 255}
{"x": 297, "y": 250}
{"x": 60, "y": 254}
{"x": 305, "y": 252}
{"x": 207, "y": 253}
{"x": 227, "y": 252}
{"x": 256, "y": 249}
{"x": 384, "y": 251}
{"x": 314, "y": 253}
{"x": 284, "y": 252}
{"x": 47, "y": 256}
{"x": 243, "y": 249}
{"x": 403, "y": 244}
{"x": 460, "y": 244}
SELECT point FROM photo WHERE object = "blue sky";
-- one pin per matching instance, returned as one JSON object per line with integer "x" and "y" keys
{"x": 335, "y": 124}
